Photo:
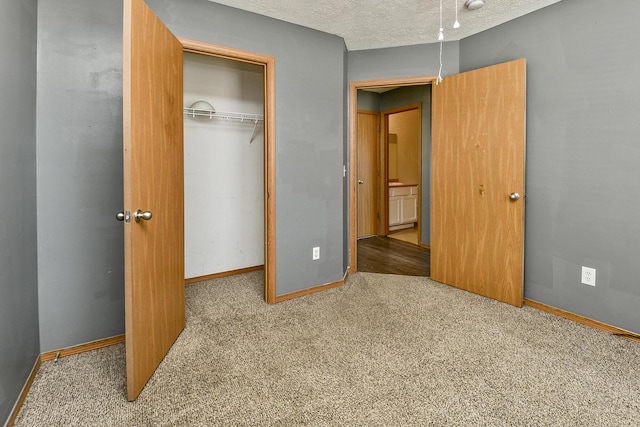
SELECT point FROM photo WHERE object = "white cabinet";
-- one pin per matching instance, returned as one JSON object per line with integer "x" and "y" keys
{"x": 395, "y": 210}
{"x": 403, "y": 207}
{"x": 409, "y": 209}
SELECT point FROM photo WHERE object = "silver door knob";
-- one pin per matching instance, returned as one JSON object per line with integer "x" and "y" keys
{"x": 360, "y": 181}
{"x": 138, "y": 215}
{"x": 514, "y": 196}
{"x": 120, "y": 216}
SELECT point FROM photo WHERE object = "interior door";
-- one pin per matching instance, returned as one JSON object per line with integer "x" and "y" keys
{"x": 368, "y": 160}
{"x": 477, "y": 236}
{"x": 153, "y": 192}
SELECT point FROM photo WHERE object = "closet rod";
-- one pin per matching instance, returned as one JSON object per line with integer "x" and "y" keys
{"x": 242, "y": 117}
{"x": 249, "y": 117}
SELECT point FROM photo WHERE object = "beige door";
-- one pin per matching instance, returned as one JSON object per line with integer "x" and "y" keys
{"x": 477, "y": 234}
{"x": 153, "y": 182}
{"x": 368, "y": 184}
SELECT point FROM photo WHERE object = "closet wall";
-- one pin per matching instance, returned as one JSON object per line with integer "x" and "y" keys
{"x": 224, "y": 167}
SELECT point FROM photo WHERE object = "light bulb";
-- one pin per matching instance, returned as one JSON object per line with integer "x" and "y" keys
{"x": 441, "y": 34}
{"x": 456, "y": 24}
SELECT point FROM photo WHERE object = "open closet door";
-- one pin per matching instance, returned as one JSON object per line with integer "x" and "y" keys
{"x": 153, "y": 192}
{"x": 477, "y": 234}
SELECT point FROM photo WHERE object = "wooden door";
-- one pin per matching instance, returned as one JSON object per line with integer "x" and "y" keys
{"x": 368, "y": 184}
{"x": 477, "y": 234}
{"x": 153, "y": 182}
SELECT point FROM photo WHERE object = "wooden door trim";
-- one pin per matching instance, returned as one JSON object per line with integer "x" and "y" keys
{"x": 384, "y": 173}
{"x": 354, "y": 86}
{"x": 408, "y": 107}
{"x": 268, "y": 63}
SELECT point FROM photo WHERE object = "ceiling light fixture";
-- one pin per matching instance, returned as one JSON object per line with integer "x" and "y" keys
{"x": 473, "y": 4}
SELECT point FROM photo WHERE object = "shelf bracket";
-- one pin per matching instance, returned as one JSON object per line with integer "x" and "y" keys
{"x": 253, "y": 134}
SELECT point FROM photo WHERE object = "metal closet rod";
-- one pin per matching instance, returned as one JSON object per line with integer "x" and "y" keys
{"x": 210, "y": 114}
{"x": 194, "y": 112}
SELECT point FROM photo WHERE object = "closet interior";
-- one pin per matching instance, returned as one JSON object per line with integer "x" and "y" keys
{"x": 223, "y": 165}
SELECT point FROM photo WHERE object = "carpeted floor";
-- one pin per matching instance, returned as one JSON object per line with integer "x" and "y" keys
{"x": 379, "y": 351}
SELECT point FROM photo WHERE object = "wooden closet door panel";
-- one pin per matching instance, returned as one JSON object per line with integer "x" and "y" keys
{"x": 153, "y": 182}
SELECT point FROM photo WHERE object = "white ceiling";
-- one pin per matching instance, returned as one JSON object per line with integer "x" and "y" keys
{"x": 371, "y": 24}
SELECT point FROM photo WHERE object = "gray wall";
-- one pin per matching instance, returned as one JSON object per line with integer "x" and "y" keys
{"x": 368, "y": 101}
{"x": 80, "y": 154}
{"x": 405, "y": 61}
{"x": 406, "y": 96}
{"x": 80, "y": 245}
{"x": 583, "y": 149}
{"x": 19, "y": 342}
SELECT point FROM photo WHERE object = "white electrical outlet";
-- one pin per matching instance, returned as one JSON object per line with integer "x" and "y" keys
{"x": 588, "y": 276}
{"x": 316, "y": 253}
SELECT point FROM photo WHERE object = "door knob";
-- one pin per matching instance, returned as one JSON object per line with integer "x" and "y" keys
{"x": 360, "y": 181}
{"x": 514, "y": 196}
{"x": 120, "y": 216}
{"x": 138, "y": 215}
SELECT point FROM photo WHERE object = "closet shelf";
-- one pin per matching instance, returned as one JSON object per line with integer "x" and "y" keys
{"x": 210, "y": 114}
{"x": 242, "y": 117}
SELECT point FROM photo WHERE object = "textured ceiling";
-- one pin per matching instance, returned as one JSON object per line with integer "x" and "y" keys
{"x": 371, "y": 24}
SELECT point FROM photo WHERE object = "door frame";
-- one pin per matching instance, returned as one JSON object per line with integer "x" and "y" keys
{"x": 385, "y": 165}
{"x": 354, "y": 86}
{"x": 268, "y": 64}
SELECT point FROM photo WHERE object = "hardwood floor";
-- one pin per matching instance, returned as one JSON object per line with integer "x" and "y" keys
{"x": 384, "y": 255}
{"x": 409, "y": 235}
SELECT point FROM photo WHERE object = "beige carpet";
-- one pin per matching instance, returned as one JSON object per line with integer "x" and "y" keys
{"x": 379, "y": 351}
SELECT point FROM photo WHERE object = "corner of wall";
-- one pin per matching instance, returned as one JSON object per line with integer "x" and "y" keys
{"x": 18, "y": 246}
